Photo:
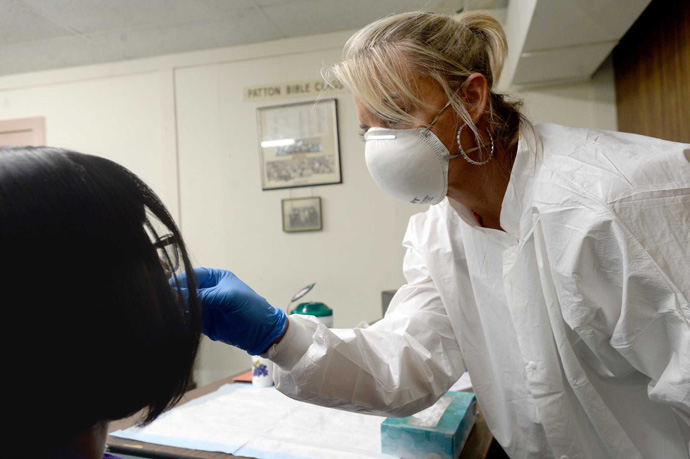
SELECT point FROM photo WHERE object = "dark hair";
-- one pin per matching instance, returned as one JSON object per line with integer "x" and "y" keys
{"x": 91, "y": 328}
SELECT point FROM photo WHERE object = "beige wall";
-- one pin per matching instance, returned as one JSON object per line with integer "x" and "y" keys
{"x": 123, "y": 118}
{"x": 590, "y": 103}
{"x": 155, "y": 114}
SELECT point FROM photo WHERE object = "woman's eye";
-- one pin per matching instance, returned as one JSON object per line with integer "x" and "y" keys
{"x": 395, "y": 124}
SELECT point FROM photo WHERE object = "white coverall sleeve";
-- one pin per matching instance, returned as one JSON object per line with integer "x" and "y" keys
{"x": 623, "y": 279}
{"x": 397, "y": 367}
{"x": 653, "y": 330}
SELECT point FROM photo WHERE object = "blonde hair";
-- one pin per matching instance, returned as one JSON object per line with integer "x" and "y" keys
{"x": 379, "y": 61}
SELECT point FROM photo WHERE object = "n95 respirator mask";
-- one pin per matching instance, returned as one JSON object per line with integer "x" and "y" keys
{"x": 409, "y": 164}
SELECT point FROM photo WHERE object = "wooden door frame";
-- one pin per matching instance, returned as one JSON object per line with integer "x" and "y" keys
{"x": 35, "y": 124}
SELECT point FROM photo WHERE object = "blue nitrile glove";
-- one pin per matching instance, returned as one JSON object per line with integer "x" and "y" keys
{"x": 234, "y": 313}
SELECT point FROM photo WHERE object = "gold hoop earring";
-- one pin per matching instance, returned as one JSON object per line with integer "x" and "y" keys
{"x": 464, "y": 154}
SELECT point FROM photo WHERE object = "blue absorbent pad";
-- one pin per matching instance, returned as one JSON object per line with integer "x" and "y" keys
{"x": 261, "y": 422}
{"x": 237, "y": 450}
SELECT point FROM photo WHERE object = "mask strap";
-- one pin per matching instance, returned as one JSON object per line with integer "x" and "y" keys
{"x": 463, "y": 153}
{"x": 469, "y": 151}
{"x": 438, "y": 115}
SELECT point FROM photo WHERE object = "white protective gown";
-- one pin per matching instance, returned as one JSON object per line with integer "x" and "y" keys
{"x": 574, "y": 323}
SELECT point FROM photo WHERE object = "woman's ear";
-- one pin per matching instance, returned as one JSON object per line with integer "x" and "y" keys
{"x": 475, "y": 91}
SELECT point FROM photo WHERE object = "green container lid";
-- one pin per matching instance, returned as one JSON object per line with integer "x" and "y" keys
{"x": 312, "y": 309}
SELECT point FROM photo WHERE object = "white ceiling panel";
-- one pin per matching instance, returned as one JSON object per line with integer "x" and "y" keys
{"x": 44, "y": 34}
{"x": 562, "y": 23}
{"x": 89, "y": 16}
{"x": 575, "y": 62}
{"x": 262, "y": 3}
{"x": 552, "y": 40}
{"x": 309, "y": 17}
{"x": 20, "y": 23}
{"x": 247, "y": 25}
{"x": 58, "y": 52}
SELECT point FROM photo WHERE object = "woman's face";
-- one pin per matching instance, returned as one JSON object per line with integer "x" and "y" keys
{"x": 430, "y": 92}
{"x": 462, "y": 176}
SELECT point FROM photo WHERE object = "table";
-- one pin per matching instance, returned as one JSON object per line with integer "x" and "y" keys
{"x": 477, "y": 446}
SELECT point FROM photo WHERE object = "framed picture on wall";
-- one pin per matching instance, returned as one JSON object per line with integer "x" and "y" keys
{"x": 298, "y": 145}
{"x": 302, "y": 214}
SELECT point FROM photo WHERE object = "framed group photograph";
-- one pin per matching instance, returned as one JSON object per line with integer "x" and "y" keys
{"x": 298, "y": 145}
{"x": 302, "y": 214}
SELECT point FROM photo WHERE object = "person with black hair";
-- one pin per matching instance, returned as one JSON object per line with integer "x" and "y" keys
{"x": 99, "y": 334}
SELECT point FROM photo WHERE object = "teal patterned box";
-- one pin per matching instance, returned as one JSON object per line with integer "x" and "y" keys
{"x": 412, "y": 437}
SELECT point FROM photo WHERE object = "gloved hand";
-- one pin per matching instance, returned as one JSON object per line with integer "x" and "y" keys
{"x": 234, "y": 313}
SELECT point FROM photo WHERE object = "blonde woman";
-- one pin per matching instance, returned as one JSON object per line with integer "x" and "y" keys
{"x": 553, "y": 263}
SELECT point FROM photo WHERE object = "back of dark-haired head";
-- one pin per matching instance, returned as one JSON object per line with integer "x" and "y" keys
{"x": 91, "y": 329}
